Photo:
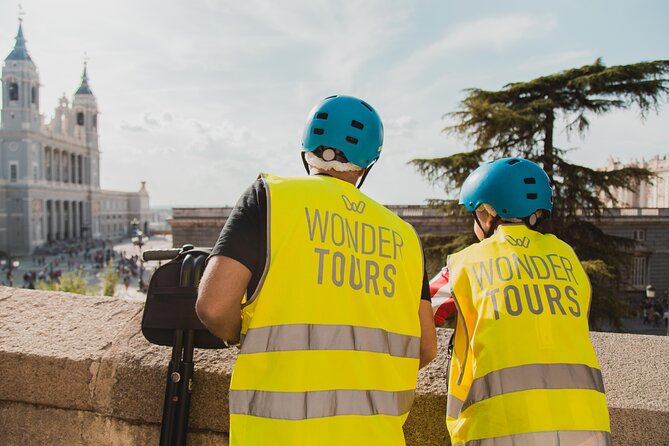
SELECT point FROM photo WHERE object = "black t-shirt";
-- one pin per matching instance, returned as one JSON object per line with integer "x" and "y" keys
{"x": 244, "y": 236}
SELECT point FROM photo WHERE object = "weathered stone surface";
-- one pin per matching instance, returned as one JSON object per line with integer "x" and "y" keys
{"x": 77, "y": 370}
{"x": 635, "y": 370}
{"x": 26, "y": 424}
{"x": 85, "y": 353}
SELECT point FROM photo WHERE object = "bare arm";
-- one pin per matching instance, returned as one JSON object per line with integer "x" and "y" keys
{"x": 428, "y": 334}
{"x": 220, "y": 297}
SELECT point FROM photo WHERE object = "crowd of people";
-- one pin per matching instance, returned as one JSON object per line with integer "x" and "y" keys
{"x": 49, "y": 263}
{"x": 653, "y": 312}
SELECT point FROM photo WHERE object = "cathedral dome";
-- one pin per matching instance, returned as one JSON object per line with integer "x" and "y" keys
{"x": 20, "y": 52}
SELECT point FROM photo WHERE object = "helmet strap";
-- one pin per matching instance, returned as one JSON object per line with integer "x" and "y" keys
{"x": 493, "y": 225}
{"x": 304, "y": 161}
{"x": 364, "y": 175}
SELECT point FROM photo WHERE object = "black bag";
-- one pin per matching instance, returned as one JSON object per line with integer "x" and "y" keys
{"x": 170, "y": 300}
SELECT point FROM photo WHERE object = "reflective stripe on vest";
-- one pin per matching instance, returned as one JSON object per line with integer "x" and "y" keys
{"x": 550, "y": 438}
{"x": 318, "y": 404}
{"x": 331, "y": 337}
{"x": 278, "y": 338}
{"x": 528, "y": 377}
{"x": 522, "y": 345}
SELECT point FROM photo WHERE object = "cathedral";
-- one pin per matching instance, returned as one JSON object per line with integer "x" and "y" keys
{"x": 50, "y": 169}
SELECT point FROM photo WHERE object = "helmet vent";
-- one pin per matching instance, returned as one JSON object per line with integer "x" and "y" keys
{"x": 322, "y": 116}
{"x": 318, "y": 131}
{"x": 512, "y": 162}
{"x": 352, "y": 140}
{"x": 530, "y": 180}
{"x": 357, "y": 125}
{"x": 532, "y": 196}
{"x": 369, "y": 107}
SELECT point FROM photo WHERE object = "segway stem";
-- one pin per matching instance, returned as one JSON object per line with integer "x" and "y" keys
{"x": 170, "y": 320}
{"x": 185, "y": 388}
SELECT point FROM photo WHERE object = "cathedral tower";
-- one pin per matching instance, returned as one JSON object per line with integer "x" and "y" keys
{"x": 20, "y": 96}
{"x": 85, "y": 108}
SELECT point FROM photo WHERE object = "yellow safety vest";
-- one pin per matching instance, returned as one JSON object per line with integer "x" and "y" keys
{"x": 331, "y": 338}
{"x": 524, "y": 371}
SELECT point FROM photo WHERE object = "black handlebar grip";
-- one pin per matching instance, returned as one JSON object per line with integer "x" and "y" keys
{"x": 160, "y": 254}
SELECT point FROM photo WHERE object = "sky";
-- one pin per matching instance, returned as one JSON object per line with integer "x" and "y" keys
{"x": 197, "y": 97}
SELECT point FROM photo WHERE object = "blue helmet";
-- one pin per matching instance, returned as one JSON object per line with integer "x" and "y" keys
{"x": 348, "y": 124}
{"x": 515, "y": 187}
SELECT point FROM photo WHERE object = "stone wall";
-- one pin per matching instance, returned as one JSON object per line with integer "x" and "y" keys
{"x": 197, "y": 226}
{"x": 201, "y": 226}
{"x": 76, "y": 370}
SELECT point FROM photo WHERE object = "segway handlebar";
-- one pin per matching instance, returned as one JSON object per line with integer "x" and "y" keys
{"x": 160, "y": 254}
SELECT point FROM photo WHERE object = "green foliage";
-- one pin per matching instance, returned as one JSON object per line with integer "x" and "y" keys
{"x": 75, "y": 282}
{"x": 607, "y": 306}
{"x": 437, "y": 248}
{"x": 72, "y": 282}
{"x": 110, "y": 278}
{"x": 47, "y": 286}
{"x": 520, "y": 120}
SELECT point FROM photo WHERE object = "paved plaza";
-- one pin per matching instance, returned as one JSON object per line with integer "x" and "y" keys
{"x": 64, "y": 262}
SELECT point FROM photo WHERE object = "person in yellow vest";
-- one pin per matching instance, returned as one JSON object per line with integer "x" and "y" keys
{"x": 523, "y": 369}
{"x": 327, "y": 293}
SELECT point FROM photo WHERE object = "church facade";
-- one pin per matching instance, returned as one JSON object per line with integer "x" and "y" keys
{"x": 646, "y": 194}
{"x": 50, "y": 169}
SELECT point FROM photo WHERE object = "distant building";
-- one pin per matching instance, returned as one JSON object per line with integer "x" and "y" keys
{"x": 654, "y": 194}
{"x": 643, "y": 215}
{"x": 650, "y": 259}
{"x": 50, "y": 171}
{"x": 158, "y": 220}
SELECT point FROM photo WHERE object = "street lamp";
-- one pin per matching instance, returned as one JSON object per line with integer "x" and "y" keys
{"x": 10, "y": 265}
{"x": 650, "y": 291}
{"x": 139, "y": 239}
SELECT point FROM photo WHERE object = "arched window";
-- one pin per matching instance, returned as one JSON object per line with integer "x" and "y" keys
{"x": 13, "y": 91}
{"x": 33, "y": 95}
{"x": 80, "y": 118}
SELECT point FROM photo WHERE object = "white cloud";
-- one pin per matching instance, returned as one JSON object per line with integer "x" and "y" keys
{"x": 151, "y": 121}
{"x": 132, "y": 127}
{"x": 474, "y": 36}
{"x": 558, "y": 61}
{"x": 403, "y": 126}
{"x": 221, "y": 139}
{"x": 340, "y": 38}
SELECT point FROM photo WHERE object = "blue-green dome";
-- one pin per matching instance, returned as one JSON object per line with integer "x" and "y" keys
{"x": 20, "y": 52}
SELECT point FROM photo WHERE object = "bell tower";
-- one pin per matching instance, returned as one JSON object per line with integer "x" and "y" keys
{"x": 20, "y": 93}
{"x": 85, "y": 108}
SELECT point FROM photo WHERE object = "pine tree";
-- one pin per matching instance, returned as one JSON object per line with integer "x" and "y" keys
{"x": 520, "y": 120}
